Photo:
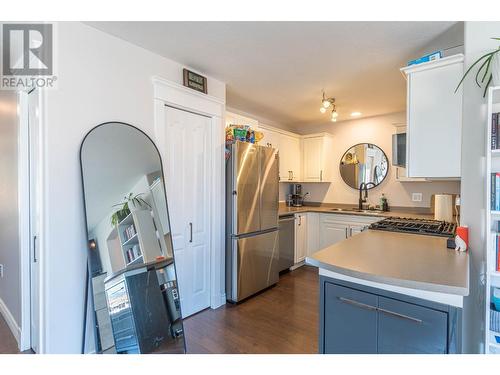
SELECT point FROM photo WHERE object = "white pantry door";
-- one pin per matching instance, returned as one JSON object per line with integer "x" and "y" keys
{"x": 187, "y": 170}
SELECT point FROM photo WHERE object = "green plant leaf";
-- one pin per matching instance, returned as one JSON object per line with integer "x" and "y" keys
{"x": 487, "y": 70}
{"x": 472, "y": 66}
{"x": 485, "y": 63}
{"x": 487, "y": 84}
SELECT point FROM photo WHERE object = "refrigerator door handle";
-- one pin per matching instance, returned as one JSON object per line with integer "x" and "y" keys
{"x": 190, "y": 232}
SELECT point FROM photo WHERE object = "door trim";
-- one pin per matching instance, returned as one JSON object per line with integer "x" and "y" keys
{"x": 24, "y": 338}
{"x": 167, "y": 93}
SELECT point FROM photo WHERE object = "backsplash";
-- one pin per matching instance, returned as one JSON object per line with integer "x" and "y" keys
{"x": 377, "y": 130}
{"x": 397, "y": 193}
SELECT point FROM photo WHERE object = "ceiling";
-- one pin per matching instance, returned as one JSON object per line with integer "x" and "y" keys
{"x": 277, "y": 70}
{"x": 114, "y": 158}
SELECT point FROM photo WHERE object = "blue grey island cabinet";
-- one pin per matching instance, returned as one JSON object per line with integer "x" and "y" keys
{"x": 357, "y": 319}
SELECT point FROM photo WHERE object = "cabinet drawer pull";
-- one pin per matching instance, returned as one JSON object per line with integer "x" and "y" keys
{"x": 398, "y": 315}
{"x": 190, "y": 232}
{"x": 321, "y": 175}
{"x": 357, "y": 304}
{"x": 346, "y": 233}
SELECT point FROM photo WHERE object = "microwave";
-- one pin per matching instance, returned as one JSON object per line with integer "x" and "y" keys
{"x": 399, "y": 150}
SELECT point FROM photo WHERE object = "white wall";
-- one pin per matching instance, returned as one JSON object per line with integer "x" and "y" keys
{"x": 477, "y": 42}
{"x": 377, "y": 130}
{"x": 10, "y": 284}
{"x": 450, "y": 42}
{"x": 100, "y": 78}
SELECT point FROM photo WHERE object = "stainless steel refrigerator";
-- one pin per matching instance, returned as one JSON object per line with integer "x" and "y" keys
{"x": 252, "y": 248}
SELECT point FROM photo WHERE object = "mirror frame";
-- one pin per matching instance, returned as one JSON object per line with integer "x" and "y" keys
{"x": 358, "y": 144}
{"x": 88, "y": 284}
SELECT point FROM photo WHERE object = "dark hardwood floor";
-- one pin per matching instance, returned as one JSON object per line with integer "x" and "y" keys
{"x": 281, "y": 320}
{"x": 8, "y": 344}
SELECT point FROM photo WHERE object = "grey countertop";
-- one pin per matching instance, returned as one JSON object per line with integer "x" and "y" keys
{"x": 399, "y": 259}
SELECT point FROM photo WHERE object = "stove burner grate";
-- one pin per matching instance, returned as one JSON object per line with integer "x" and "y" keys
{"x": 417, "y": 226}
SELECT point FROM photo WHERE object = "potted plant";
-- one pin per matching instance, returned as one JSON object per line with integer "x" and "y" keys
{"x": 130, "y": 203}
{"x": 488, "y": 71}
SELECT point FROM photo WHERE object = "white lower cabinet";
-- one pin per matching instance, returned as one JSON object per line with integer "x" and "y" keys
{"x": 300, "y": 237}
{"x": 331, "y": 233}
{"x": 334, "y": 228}
{"x": 356, "y": 229}
{"x": 312, "y": 233}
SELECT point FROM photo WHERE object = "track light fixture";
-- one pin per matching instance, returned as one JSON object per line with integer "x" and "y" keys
{"x": 327, "y": 103}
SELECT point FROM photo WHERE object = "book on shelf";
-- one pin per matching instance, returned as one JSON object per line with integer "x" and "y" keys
{"x": 495, "y": 141}
{"x": 495, "y": 191}
{"x": 130, "y": 255}
{"x": 129, "y": 232}
{"x": 497, "y": 251}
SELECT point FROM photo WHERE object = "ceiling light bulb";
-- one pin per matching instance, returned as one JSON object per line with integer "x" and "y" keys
{"x": 355, "y": 114}
{"x": 322, "y": 109}
{"x": 326, "y": 103}
{"x": 334, "y": 119}
{"x": 335, "y": 114}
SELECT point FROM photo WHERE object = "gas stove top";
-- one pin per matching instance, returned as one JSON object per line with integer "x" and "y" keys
{"x": 416, "y": 226}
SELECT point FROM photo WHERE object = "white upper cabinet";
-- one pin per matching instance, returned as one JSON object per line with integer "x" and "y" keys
{"x": 434, "y": 118}
{"x": 289, "y": 158}
{"x": 288, "y": 145}
{"x": 317, "y": 163}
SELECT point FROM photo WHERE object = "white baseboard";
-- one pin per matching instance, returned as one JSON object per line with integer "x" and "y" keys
{"x": 11, "y": 322}
{"x": 297, "y": 265}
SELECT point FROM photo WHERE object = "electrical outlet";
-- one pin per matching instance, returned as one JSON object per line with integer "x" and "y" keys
{"x": 416, "y": 197}
{"x": 1, "y": 271}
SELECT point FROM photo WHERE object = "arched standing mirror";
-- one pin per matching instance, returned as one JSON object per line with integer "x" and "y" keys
{"x": 364, "y": 162}
{"x": 136, "y": 304}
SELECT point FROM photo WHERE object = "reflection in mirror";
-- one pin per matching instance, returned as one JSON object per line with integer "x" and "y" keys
{"x": 134, "y": 289}
{"x": 363, "y": 162}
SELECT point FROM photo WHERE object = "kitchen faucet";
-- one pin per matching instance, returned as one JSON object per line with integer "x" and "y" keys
{"x": 364, "y": 186}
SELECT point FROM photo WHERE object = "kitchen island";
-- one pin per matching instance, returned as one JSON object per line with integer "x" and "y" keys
{"x": 387, "y": 292}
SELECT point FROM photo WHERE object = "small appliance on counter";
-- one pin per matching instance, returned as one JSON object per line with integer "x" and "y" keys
{"x": 296, "y": 199}
{"x": 443, "y": 207}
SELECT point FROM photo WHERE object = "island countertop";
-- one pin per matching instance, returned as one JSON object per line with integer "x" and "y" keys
{"x": 399, "y": 259}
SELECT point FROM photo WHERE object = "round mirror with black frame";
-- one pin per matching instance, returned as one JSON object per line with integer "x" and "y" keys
{"x": 131, "y": 265}
{"x": 364, "y": 163}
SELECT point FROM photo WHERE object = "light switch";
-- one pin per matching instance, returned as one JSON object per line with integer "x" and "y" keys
{"x": 416, "y": 197}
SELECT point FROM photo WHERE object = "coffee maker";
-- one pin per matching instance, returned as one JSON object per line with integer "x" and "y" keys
{"x": 295, "y": 196}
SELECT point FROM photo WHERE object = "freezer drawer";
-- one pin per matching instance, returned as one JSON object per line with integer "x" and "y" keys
{"x": 252, "y": 265}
